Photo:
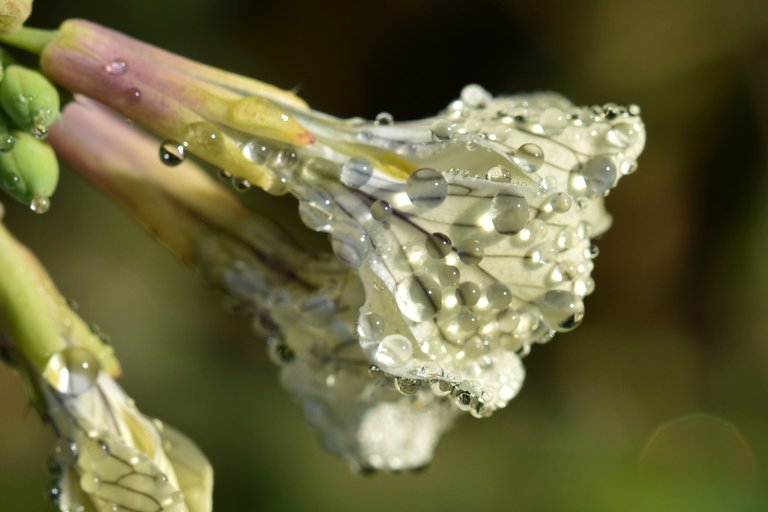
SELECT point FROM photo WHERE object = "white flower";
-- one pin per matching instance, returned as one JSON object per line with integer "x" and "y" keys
{"x": 110, "y": 456}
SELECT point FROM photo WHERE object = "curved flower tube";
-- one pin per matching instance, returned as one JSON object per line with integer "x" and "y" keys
{"x": 466, "y": 237}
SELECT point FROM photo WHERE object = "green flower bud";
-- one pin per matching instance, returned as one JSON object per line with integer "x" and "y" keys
{"x": 29, "y": 172}
{"x": 13, "y": 14}
{"x": 29, "y": 99}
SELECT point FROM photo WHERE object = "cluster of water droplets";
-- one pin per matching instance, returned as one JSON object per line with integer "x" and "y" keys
{"x": 469, "y": 238}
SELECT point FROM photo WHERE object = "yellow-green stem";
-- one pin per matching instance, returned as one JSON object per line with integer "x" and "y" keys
{"x": 30, "y": 39}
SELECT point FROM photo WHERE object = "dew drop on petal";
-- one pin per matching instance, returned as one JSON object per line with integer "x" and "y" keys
{"x": 622, "y": 135}
{"x": 240, "y": 184}
{"x": 391, "y": 352}
{"x": 419, "y": 297}
{"x": 356, "y": 172}
{"x": 132, "y": 95}
{"x": 172, "y": 153}
{"x": 407, "y": 386}
{"x": 470, "y": 251}
{"x": 370, "y": 326}
{"x": 438, "y": 245}
{"x": 72, "y": 370}
{"x": 384, "y": 119}
{"x": 498, "y": 174}
{"x": 529, "y": 157}
{"x": 599, "y": 174}
{"x": 498, "y": 296}
{"x": 381, "y": 211}
{"x": 553, "y": 121}
{"x": 349, "y": 242}
{"x": 510, "y": 213}
{"x": 468, "y": 293}
{"x": 256, "y": 152}
{"x": 561, "y": 310}
{"x": 449, "y": 275}
{"x": 40, "y": 204}
{"x": 116, "y": 67}
{"x": 316, "y": 212}
{"x": 426, "y": 188}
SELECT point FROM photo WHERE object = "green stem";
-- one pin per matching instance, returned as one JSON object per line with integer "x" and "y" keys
{"x": 32, "y": 40}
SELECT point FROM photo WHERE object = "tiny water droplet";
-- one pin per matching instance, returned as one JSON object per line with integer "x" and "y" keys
{"x": 561, "y": 310}
{"x": 498, "y": 174}
{"x": 7, "y": 141}
{"x": 384, "y": 119}
{"x": 72, "y": 371}
{"x": 529, "y": 157}
{"x": 381, "y": 211}
{"x": 438, "y": 245}
{"x": 371, "y": 326}
{"x": 510, "y": 213}
{"x": 419, "y": 297}
{"x": 132, "y": 95}
{"x": 390, "y": 353}
{"x": 116, "y": 67}
{"x": 407, "y": 386}
{"x": 356, "y": 172}
{"x": 65, "y": 451}
{"x": 172, "y": 153}
{"x": 240, "y": 184}
{"x": 470, "y": 251}
{"x": 599, "y": 174}
{"x": 426, "y": 188}
{"x": 11, "y": 181}
{"x": 90, "y": 482}
{"x": 349, "y": 242}
{"x": 223, "y": 175}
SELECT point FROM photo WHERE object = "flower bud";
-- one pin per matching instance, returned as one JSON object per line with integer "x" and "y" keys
{"x": 29, "y": 172}
{"x": 29, "y": 99}
{"x": 13, "y": 14}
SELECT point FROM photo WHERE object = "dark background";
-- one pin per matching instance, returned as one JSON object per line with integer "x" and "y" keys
{"x": 678, "y": 325}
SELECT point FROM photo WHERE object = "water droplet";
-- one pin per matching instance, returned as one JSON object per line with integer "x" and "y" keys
{"x": 72, "y": 371}
{"x": 543, "y": 253}
{"x": 240, "y": 184}
{"x": 133, "y": 95}
{"x": 441, "y": 388}
{"x": 419, "y": 297}
{"x": 599, "y": 174}
{"x": 66, "y": 451}
{"x": 278, "y": 351}
{"x": 464, "y": 400}
{"x": 90, "y": 482}
{"x": 370, "y": 326}
{"x": 356, "y": 172}
{"x": 384, "y": 119}
{"x": 204, "y": 138}
{"x": 7, "y": 141}
{"x": 426, "y": 188}
{"x": 475, "y": 96}
{"x": 349, "y": 242}
{"x": 407, "y": 386}
{"x": 498, "y": 296}
{"x": 441, "y": 130}
{"x": 11, "y": 181}
{"x": 561, "y": 310}
{"x": 468, "y": 293}
{"x": 40, "y": 132}
{"x": 438, "y": 245}
{"x": 470, "y": 251}
{"x": 55, "y": 492}
{"x": 172, "y": 153}
{"x": 510, "y": 213}
{"x": 287, "y": 159}
{"x": 391, "y": 353}
{"x": 116, "y": 67}
{"x": 316, "y": 212}
{"x": 622, "y": 135}
{"x": 449, "y": 275}
{"x": 160, "y": 479}
{"x": 553, "y": 121}
{"x": 40, "y": 205}
{"x": 381, "y": 211}
{"x": 498, "y": 174}
{"x": 256, "y": 152}
{"x": 224, "y": 175}
{"x": 529, "y": 157}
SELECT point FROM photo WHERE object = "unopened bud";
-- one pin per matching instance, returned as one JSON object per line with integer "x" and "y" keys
{"x": 29, "y": 99}
{"x": 29, "y": 172}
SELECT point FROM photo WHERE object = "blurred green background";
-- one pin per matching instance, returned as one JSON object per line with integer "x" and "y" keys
{"x": 678, "y": 325}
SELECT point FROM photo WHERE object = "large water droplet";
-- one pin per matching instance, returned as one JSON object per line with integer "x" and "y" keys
{"x": 553, "y": 121}
{"x": 391, "y": 353}
{"x": 172, "y": 153}
{"x": 438, "y": 245}
{"x": 561, "y": 310}
{"x": 72, "y": 371}
{"x": 40, "y": 204}
{"x": 419, "y": 297}
{"x": 350, "y": 243}
{"x": 529, "y": 157}
{"x": 426, "y": 188}
{"x": 470, "y": 251}
{"x": 316, "y": 211}
{"x": 510, "y": 213}
{"x": 116, "y": 67}
{"x": 599, "y": 174}
{"x": 356, "y": 172}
